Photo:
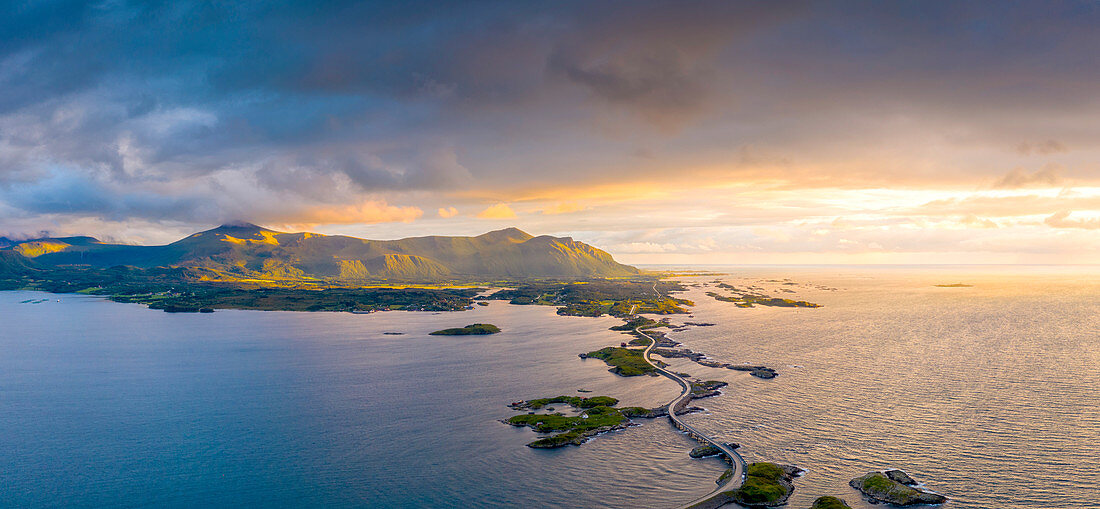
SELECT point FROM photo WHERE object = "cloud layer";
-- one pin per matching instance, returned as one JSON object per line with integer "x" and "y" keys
{"x": 741, "y": 127}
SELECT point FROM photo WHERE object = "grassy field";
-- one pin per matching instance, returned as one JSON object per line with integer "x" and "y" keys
{"x": 623, "y": 361}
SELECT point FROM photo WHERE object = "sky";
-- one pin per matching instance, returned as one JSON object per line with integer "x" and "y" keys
{"x": 662, "y": 132}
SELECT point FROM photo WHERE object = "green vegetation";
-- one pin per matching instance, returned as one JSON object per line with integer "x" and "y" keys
{"x": 573, "y": 401}
{"x": 189, "y": 289}
{"x": 597, "y": 297}
{"x": 623, "y": 361}
{"x": 15, "y": 265}
{"x": 597, "y": 415}
{"x": 638, "y": 322}
{"x": 830, "y": 503}
{"x": 639, "y": 341}
{"x": 765, "y": 484}
{"x": 664, "y": 306}
{"x": 591, "y": 309}
{"x": 750, "y": 300}
{"x": 765, "y": 470}
{"x": 472, "y": 329}
{"x": 637, "y": 411}
{"x": 878, "y": 481}
{"x": 593, "y": 417}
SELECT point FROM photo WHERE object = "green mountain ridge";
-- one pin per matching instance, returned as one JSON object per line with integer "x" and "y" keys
{"x": 247, "y": 250}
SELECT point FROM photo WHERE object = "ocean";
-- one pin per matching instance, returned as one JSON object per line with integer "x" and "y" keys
{"x": 985, "y": 393}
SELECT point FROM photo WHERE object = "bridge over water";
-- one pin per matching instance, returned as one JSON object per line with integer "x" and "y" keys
{"x": 719, "y": 496}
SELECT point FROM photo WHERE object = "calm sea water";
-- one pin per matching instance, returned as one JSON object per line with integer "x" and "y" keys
{"x": 987, "y": 394}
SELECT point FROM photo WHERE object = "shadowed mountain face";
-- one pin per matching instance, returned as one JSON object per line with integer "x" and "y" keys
{"x": 14, "y": 264}
{"x": 250, "y": 250}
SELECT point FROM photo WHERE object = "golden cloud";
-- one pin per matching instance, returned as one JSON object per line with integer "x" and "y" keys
{"x": 498, "y": 211}
{"x": 448, "y": 212}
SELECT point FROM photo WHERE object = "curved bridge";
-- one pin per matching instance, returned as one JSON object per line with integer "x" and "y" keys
{"x": 717, "y": 497}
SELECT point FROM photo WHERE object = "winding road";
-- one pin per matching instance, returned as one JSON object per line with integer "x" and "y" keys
{"x": 717, "y": 497}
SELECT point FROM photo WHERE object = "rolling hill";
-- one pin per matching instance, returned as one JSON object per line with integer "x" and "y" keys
{"x": 247, "y": 250}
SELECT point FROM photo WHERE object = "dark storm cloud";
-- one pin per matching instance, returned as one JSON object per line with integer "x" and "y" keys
{"x": 72, "y": 194}
{"x": 144, "y": 99}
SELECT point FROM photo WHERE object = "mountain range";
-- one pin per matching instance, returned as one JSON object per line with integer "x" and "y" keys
{"x": 247, "y": 250}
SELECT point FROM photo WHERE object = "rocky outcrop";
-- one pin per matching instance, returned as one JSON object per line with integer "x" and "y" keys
{"x": 757, "y": 371}
{"x": 702, "y": 360}
{"x": 575, "y": 439}
{"x": 830, "y": 503}
{"x": 682, "y": 353}
{"x": 884, "y": 487}
{"x": 706, "y": 389}
{"x": 902, "y": 477}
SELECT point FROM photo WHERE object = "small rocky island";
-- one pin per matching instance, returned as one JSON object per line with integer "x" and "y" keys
{"x": 766, "y": 485}
{"x": 707, "y": 450}
{"x": 469, "y": 330}
{"x": 894, "y": 487}
{"x": 830, "y": 503}
{"x": 596, "y": 415}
